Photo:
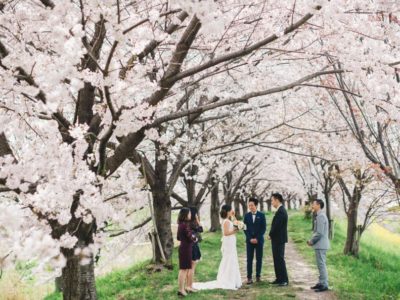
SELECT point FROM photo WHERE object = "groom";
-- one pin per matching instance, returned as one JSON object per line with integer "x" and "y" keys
{"x": 279, "y": 237}
{"x": 256, "y": 226}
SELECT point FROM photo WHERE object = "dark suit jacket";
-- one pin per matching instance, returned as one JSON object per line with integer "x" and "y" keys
{"x": 257, "y": 229}
{"x": 278, "y": 232}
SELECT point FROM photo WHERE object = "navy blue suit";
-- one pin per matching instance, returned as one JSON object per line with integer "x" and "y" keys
{"x": 254, "y": 230}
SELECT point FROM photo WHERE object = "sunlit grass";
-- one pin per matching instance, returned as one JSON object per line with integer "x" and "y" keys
{"x": 386, "y": 237}
{"x": 13, "y": 287}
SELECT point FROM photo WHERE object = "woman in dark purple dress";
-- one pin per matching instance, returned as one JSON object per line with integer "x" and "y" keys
{"x": 186, "y": 238}
{"x": 197, "y": 229}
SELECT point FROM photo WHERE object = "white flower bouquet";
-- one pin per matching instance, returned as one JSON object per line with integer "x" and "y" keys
{"x": 239, "y": 224}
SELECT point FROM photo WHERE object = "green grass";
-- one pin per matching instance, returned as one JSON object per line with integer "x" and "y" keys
{"x": 138, "y": 283}
{"x": 374, "y": 275}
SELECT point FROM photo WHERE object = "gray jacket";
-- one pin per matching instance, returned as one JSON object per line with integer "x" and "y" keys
{"x": 320, "y": 238}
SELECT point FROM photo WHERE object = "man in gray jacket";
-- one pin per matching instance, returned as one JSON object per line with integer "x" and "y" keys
{"x": 320, "y": 242}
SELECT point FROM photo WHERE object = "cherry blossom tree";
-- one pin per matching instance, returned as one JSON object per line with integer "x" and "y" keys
{"x": 88, "y": 87}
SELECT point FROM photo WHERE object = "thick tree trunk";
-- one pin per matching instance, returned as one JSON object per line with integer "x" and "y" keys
{"x": 289, "y": 204}
{"x": 78, "y": 280}
{"x": 214, "y": 208}
{"x": 162, "y": 211}
{"x": 191, "y": 185}
{"x": 58, "y": 284}
{"x": 351, "y": 246}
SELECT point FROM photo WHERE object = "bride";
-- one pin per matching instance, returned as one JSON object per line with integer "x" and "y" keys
{"x": 228, "y": 273}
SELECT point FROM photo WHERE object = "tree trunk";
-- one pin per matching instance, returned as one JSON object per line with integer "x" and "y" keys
{"x": 351, "y": 246}
{"x": 269, "y": 205}
{"x": 162, "y": 210}
{"x": 191, "y": 184}
{"x": 78, "y": 280}
{"x": 311, "y": 198}
{"x": 328, "y": 211}
{"x": 237, "y": 207}
{"x": 214, "y": 208}
{"x": 244, "y": 207}
{"x": 228, "y": 201}
{"x": 261, "y": 204}
{"x": 289, "y": 204}
{"x": 58, "y": 284}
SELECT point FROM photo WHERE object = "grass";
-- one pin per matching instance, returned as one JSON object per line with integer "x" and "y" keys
{"x": 138, "y": 282}
{"x": 13, "y": 287}
{"x": 374, "y": 275}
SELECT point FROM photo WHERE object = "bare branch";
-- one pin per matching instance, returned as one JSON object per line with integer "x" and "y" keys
{"x": 132, "y": 229}
{"x": 243, "y": 99}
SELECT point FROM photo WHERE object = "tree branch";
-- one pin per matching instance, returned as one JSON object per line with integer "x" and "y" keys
{"x": 243, "y": 99}
{"x": 240, "y": 53}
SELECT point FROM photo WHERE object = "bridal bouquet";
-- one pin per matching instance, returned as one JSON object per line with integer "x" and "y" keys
{"x": 239, "y": 224}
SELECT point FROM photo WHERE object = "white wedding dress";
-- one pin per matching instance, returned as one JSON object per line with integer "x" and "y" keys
{"x": 228, "y": 273}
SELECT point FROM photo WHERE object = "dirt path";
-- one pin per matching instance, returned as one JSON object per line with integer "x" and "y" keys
{"x": 303, "y": 276}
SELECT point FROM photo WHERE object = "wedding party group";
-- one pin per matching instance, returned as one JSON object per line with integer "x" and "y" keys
{"x": 254, "y": 226}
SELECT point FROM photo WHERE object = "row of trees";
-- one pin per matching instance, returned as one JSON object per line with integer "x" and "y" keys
{"x": 102, "y": 98}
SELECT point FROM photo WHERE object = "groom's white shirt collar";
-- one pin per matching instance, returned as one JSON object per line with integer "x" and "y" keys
{"x": 253, "y": 215}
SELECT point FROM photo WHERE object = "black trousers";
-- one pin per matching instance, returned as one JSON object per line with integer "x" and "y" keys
{"x": 278, "y": 253}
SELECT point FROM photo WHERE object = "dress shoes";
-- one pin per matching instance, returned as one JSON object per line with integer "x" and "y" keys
{"x": 321, "y": 289}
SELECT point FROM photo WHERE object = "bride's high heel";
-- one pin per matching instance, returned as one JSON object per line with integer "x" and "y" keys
{"x": 191, "y": 290}
{"x": 180, "y": 294}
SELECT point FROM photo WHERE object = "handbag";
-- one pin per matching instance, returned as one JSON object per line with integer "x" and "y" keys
{"x": 198, "y": 234}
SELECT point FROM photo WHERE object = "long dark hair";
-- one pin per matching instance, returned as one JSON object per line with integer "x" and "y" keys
{"x": 194, "y": 212}
{"x": 183, "y": 215}
{"x": 225, "y": 209}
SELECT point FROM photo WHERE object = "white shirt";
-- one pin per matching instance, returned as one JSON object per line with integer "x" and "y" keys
{"x": 254, "y": 216}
